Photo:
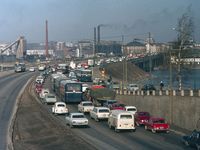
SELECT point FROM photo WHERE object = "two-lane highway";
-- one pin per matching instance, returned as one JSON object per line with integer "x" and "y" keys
{"x": 10, "y": 87}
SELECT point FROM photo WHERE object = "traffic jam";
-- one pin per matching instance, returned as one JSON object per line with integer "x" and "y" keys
{"x": 72, "y": 94}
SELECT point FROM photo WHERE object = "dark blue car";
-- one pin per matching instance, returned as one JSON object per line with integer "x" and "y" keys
{"x": 192, "y": 140}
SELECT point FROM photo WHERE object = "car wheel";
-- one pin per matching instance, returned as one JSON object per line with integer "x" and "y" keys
{"x": 71, "y": 126}
{"x": 116, "y": 130}
{"x": 133, "y": 130}
{"x": 145, "y": 127}
{"x": 153, "y": 131}
{"x": 96, "y": 119}
{"x": 109, "y": 125}
{"x": 137, "y": 124}
{"x": 197, "y": 147}
{"x": 167, "y": 131}
{"x": 186, "y": 143}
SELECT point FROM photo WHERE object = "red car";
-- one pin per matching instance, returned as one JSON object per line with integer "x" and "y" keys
{"x": 117, "y": 106}
{"x": 141, "y": 118}
{"x": 157, "y": 124}
{"x": 38, "y": 88}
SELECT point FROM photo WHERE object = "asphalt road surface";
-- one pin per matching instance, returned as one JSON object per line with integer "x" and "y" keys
{"x": 10, "y": 86}
{"x": 100, "y": 136}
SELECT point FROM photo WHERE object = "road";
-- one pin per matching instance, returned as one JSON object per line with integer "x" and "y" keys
{"x": 10, "y": 86}
{"x": 100, "y": 136}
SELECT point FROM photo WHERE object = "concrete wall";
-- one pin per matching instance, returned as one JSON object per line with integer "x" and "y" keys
{"x": 180, "y": 111}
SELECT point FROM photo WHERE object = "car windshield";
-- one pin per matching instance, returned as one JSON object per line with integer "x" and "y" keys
{"x": 103, "y": 110}
{"x": 78, "y": 116}
{"x": 159, "y": 121}
{"x": 87, "y": 104}
{"x": 125, "y": 116}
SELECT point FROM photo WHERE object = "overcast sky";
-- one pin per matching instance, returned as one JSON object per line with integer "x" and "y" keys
{"x": 71, "y": 20}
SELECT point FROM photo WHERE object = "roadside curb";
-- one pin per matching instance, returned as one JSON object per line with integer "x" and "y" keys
{"x": 13, "y": 117}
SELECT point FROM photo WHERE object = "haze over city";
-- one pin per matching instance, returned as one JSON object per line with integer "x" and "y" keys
{"x": 71, "y": 20}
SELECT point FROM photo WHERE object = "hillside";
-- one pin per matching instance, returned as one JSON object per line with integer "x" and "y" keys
{"x": 117, "y": 71}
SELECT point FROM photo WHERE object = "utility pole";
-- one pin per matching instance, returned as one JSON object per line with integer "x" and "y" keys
{"x": 150, "y": 61}
{"x": 179, "y": 66}
{"x": 46, "y": 44}
{"x": 123, "y": 66}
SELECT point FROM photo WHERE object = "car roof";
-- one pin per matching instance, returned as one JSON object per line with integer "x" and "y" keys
{"x": 102, "y": 108}
{"x": 130, "y": 106}
{"x": 60, "y": 103}
{"x": 77, "y": 113}
{"x": 86, "y": 102}
{"x": 157, "y": 118}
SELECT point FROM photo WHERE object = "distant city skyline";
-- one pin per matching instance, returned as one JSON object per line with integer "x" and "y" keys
{"x": 72, "y": 20}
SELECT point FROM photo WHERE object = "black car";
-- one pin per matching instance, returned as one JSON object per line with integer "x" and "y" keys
{"x": 192, "y": 140}
{"x": 148, "y": 87}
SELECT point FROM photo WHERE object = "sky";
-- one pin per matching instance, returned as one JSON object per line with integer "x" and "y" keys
{"x": 72, "y": 20}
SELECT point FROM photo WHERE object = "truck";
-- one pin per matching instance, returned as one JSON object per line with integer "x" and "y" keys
{"x": 90, "y": 62}
{"x": 20, "y": 67}
{"x": 99, "y": 94}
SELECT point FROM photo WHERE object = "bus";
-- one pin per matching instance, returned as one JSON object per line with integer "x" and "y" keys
{"x": 70, "y": 91}
{"x": 20, "y": 67}
{"x": 84, "y": 75}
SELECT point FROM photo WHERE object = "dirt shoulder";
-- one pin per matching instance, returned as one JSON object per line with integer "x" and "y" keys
{"x": 35, "y": 129}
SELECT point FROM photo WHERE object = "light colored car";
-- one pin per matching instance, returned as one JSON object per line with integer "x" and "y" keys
{"x": 85, "y": 106}
{"x": 39, "y": 79}
{"x": 43, "y": 93}
{"x": 132, "y": 87}
{"x": 131, "y": 109}
{"x": 60, "y": 108}
{"x": 76, "y": 119}
{"x": 32, "y": 69}
{"x": 99, "y": 113}
{"x": 50, "y": 98}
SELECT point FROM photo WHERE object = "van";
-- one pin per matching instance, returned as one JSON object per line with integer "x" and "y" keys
{"x": 121, "y": 120}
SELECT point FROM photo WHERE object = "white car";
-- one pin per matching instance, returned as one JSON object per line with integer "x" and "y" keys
{"x": 132, "y": 87}
{"x": 76, "y": 119}
{"x": 49, "y": 98}
{"x": 60, "y": 108}
{"x": 85, "y": 106}
{"x": 99, "y": 113}
{"x": 43, "y": 93}
{"x": 31, "y": 69}
{"x": 39, "y": 79}
{"x": 131, "y": 109}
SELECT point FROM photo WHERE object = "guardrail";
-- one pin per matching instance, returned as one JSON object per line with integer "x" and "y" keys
{"x": 192, "y": 93}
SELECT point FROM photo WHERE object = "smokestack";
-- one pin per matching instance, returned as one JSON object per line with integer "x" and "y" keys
{"x": 46, "y": 45}
{"x": 95, "y": 36}
{"x": 98, "y": 34}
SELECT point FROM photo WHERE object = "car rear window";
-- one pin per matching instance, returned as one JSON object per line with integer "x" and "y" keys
{"x": 103, "y": 110}
{"x": 125, "y": 117}
{"x": 131, "y": 109}
{"x": 159, "y": 121}
{"x": 60, "y": 105}
{"x": 78, "y": 116}
{"x": 51, "y": 96}
{"x": 87, "y": 104}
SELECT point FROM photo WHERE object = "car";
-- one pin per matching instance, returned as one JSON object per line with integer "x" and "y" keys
{"x": 50, "y": 98}
{"x": 60, "y": 108}
{"x": 121, "y": 120}
{"x": 76, "y": 119}
{"x": 39, "y": 79}
{"x": 43, "y": 93}
{"x": 141, "y": 118}
{"x": 131, "y": 109}
{"x": 32, "y": 69}
{"x": 99, "y": 113}
{"x": 148, "y": 87}
{"x": 109, "y": 102}
{"x": 192, "y": 140}
{"x": 115, "y": 85}
{"x": 38, "y": 88}
{"x": 132, "y": 87}
{"x": 117, "y": 106}
{"x": 156, "y": 124}
{"x": 85, "y": 106}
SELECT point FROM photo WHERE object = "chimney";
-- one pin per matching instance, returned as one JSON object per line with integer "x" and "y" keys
{"x": 95, "y": 36}
{"x": 98, "y": 34}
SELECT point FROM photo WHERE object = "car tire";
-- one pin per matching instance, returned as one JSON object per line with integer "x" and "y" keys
{"x": 137, "y": 124}
{"x": 197, "y": 147}
{"x": 145, "y": 127}
{"x": 96, "y": 119}
{"x": 116, "y": 130}
{"x": 153, "y": 131}
{"x": 110, "y": 126}
{"x": 167, "y": 131}
{"x": 186, "y": 143}
{"x": 71, "y": 126}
